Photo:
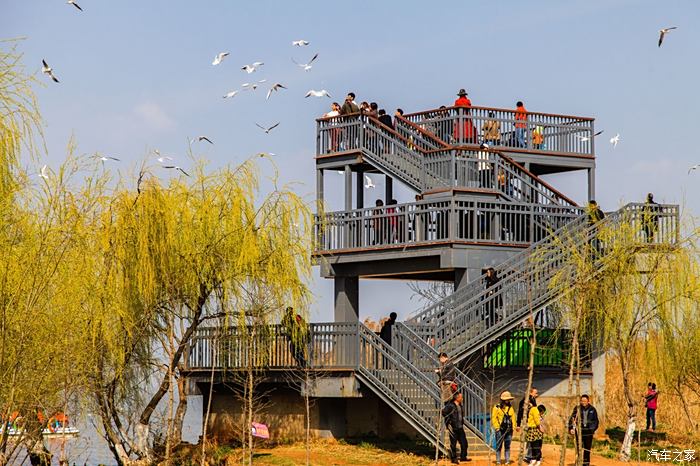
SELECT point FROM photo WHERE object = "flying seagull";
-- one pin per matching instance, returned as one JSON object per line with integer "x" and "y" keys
{"x": 106, "y": 158}
{"x": 161, "y": 158}
{"x": 300, "y": 42}
{"x": 321, "y": 93}
{"x": 231, "y": 94}
{"x": 219, "y": 58}
{"x": 252, "y": 68}
{"x": 306, "y": 66}
{"x": 204, "y": 138}
{"x": 368, "y": 182}
{"x": 45, "y": 175}
{"x": 276, "y": 87}
{"x": 694, "y": 167}
{"x": 615, "y": 140}
{"x": 588, "y": 138}
{"x": 663, "y": 32}
{"x": 267, "y": 130}
{"x": 72, "y": 2}
{"x": 175, "y": 167}
{"x": 252, "y": 86}
{"x": 46, "y": 69}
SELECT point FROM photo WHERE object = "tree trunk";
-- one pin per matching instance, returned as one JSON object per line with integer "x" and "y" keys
{"x": 182, "y": 394}
{"x": 530, "y": 374}
{"x": 626, "y": 449}
{"x": 143, "y": 427}
{"x": 249, "y": 418}
{"x": 307, "y": 402}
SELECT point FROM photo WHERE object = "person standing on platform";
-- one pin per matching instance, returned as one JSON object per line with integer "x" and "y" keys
{"x": 464, "y": 133}
{"x": 385, "y": 333}
{"x": 520, "y": 124}
{"x": 650, "y": 218}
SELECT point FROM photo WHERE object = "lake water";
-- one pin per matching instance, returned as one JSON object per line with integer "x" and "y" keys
{"x": 91, "y": 449}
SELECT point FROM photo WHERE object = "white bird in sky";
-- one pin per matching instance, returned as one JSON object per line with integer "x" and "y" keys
{"x": 368, "y": 182}
{"x": 694, "y": 167}
{"x": 588, "y": 138}
{"x": 161, "y": 158}
{"x": 663, "y": 32}
{"x": 204, "y": 138}
{"x": 615, "y": 140}
{"x": 267, "y": 130}
{"x": 252, "y": 86}
{"x": 46, "y": 69}
{"x": 321, "y": 93}
{"x": 300, "y": 42}
{"x": 252, "y": 68}
{"x": 72, "y": 2}
{"x": 219, "y": 58}
{"x": 106, "y": 158}
{"x": 231, "y": 94}
{"x": 275, "y": 87}
{"x": 45, "y": 174}
{"x": 306, "y": 66}
{"x": 175, "y": 167}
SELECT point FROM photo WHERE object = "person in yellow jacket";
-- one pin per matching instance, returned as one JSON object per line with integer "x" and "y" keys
{"x": 503, "y": 421}
{"x": 535, "y": 433}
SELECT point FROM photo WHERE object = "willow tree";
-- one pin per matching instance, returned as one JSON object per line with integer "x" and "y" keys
{"x": 174, "y": 256}
{"x": 618, "y": 286}
{"x": 40, "y": 357}
{"x": 677, "y": 343}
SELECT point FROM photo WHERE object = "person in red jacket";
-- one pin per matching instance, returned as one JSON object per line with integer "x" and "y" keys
{"x": 520, "y": 123}
{"x": 465, "y": 133}
{"x": 650, "y": 402}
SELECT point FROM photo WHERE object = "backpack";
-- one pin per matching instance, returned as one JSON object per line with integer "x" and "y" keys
{"x": 506, "y": 423}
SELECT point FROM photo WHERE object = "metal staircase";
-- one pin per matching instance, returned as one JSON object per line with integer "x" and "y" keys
{"x": 424, "y": 162}
{"x": 474, "y": 315}
{"x": 402, "y": 375}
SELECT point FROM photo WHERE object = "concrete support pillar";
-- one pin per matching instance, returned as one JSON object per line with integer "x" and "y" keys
{"x": 348, "y": 188}
{"x": 598, "y": 366}
{"x": 464, "y": 276}
{"x": 591, "y": 183}
{"x": 347, "y": 299}
{"x": 388, "y": 189}
{"x": 360, "y": 188}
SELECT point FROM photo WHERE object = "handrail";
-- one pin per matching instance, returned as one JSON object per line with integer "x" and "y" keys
{"x": 535, "y": 177}
{"x": 469, "y": 317}
{"x": 425, "y": 357}
{"x": 427, "y": 221}
{"x": 464, "y": 127}
{"x": 425, "y": 133}
{"x": 499, "y": 109}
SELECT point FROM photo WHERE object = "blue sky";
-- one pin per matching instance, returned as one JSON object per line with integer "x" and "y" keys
{"x": 136, "y": 76}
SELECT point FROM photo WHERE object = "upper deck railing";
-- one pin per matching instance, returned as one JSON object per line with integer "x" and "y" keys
{"x": 538, "y": 132}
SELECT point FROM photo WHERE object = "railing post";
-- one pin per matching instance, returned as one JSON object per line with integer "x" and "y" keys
{"x": 453, "y": 167}
{"x": 358, "y": 344}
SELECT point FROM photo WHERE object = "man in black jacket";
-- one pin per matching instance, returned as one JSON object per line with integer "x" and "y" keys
{"x": 585, "y": 419}
{"x": 385, "y": 332}
{"x": 447, "y": 375}
{"x": 521, "y": 406}
{"x": 454, "y": 421}
{"x": 521, "y": 413}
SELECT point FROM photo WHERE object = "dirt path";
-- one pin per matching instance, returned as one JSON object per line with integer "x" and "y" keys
{"x": 333, "y": 453}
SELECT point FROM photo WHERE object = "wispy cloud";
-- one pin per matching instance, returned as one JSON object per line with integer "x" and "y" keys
{"x": 154, "y": 116}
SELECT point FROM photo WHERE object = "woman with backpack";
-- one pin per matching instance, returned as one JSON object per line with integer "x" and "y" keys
{"x": 502, "y": 421}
